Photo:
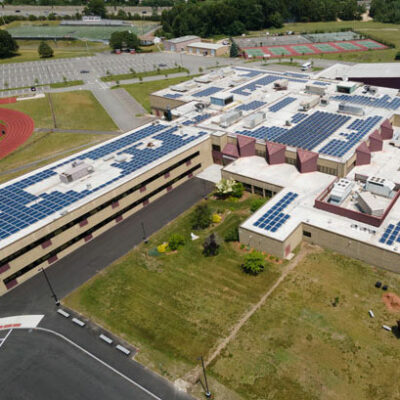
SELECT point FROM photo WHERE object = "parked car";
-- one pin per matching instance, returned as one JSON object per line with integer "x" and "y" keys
{"x": 84, "y": 71}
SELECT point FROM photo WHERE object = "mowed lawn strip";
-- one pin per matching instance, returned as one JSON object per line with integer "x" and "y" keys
{"x": 141, "y": 91}
{"x": 175, "y": 307}
{"x": 299, "y": 346}
{"x": 42, "y": 145}
{"x": 80, "y": 110}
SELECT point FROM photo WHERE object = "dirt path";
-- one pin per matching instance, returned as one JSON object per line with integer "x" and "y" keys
{"x": 193, "y": 375}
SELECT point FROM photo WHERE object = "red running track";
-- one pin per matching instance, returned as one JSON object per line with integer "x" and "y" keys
{"x": 18, "y": 129}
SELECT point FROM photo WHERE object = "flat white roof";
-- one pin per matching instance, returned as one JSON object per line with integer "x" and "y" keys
{"x": 183, "y": 39}
{"x": 205, "y": 45}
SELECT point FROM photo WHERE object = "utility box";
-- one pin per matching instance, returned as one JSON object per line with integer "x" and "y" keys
{"x": 253, "y": 120}
{"x": 230, "y": 118}
{"x": 307, "y": 104}
{"x": 78, "y": 170}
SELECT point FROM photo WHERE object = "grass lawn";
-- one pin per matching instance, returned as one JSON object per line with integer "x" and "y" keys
{"x": 73, "y": 110}
{"x": 175, "y": 307}
{"x": 377, "y": 30}
{"x": 299, "y": 346}
{"x": 81, "y": 110}
{"x": 66, "y": 84}
{"x": 43, "y": 145}
{"x": 62, "y": 49}
{"x": 37, "y": 109}
{"x": 141, "y": 91}
{"x": 138, "y": 75}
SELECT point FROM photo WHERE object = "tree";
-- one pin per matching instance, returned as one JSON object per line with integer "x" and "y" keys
{"x": 210, "y": 246}
{"x": 124, "y": 40}
{"x": 238, "y": 190}
{"x": 256, "y": 204}
{"x": 234, "y": 51}
{"x": 8, "y": 46}
{"x": 44, "y": 50}
{"x": 201, "y": 217}
{"x": 397, "y": 57}
{"x": 175, "y": 241}
{"x": 254, "y": 263}
{"x": 95, "y": 7}
{"x": 224, "y": 188}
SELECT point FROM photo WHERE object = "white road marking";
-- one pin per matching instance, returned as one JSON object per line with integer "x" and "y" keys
{"x": 5, "y": 337}
{"x": 138, "y": 385}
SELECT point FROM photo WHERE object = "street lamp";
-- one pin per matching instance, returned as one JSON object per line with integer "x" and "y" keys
{"x": 53, "y": 294}
{"x": 208, "y": 393}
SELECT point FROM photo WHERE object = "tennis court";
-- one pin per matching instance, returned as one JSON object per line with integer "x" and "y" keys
{"x": 313, "y": 48}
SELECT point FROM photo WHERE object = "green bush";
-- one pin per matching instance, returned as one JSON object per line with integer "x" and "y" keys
{"x": 201, "y": 217}
{"x": 257, "y": 203}
{"x": 175, "y": 241}
{"x": 397, "y": 57}
{"x": 237, "y": 190}
{"x": 232, "y": 235}
{"x": 254, "y": 263}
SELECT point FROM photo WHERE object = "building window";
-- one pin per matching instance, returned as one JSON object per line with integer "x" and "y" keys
{"x": 306, "y": 234}
{"x": 216, "y": 147}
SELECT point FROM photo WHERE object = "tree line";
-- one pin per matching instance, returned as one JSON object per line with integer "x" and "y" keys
{"x": 385, "y": 11}
{"x": 234, "y": 17}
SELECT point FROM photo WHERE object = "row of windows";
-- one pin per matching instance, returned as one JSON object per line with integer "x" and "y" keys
{"x": 88, "y": 232}
{"x": 327, "y": 170}
{"x": 83, "y": 217}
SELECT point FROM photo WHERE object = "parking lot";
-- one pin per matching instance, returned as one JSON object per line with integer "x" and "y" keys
{"x": 19, "y": 75}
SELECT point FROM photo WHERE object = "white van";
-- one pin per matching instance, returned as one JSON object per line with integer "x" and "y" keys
{"x": 306, "y": 66}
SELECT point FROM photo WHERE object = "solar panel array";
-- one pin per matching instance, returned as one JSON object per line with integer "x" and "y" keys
{"x": 246, "y": 90}
{"x": 361, "y": 128}
{"x": 274, "y": 218}
{"x": 320, "y": 83}
{"x": 281, "y": 104}
{"x": 249, "y": 72}
{"x": 391, "y": 234}
{"x": 253, "y": 105}
{"x": 173, "y": 95}
{"x": 298, "y": 117}
{"x": 381, "y": 102}
{"x": 207, "y": 92}
{"x": 313, "y": 130}
{"x": 264, "y": 133}
{"x": 196, "y": 119}
{"x": 19, "y": 208}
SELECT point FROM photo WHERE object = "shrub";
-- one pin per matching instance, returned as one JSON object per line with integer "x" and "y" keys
{"x": 256, "y": 204}
{"x": 201, "y": 217}
{"x": 232, "y": 235}
{"x": 216, "y": 219}
{"x": 175, "y": 241}
{"x": 211, "y": 246}
{"x": 162, "y": 248}
{"x": 397, "y": 57}
{"x": 238, "y": 190}
{"x": 224, "y": 188}
{"x": 254, "y": 263}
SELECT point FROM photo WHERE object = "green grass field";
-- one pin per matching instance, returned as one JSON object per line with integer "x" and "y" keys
{"x": 62, "y": 49}
{"x": 299, "y": 346}
{"x": 46, "y": 148}
{"x": 66, "y": 84}
{"x": 175, "y": 307}
{"x": 141, "y": 91}
{"x": 138, "y": 75}
{"x": 73, "y": 110}
{"x": 379, "y": 31}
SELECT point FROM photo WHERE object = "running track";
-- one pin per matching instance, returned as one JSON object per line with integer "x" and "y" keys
{"x": 18, "y": 127}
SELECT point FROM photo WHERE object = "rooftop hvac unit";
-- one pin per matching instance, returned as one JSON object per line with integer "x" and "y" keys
{"x": 281, "y": 84}
{"x": 350, "y": 109}
{"x": 230, "y": 118}
{"x": 253, "y": 120}
{"x": 120, "y": 158}
{"x": 307, "y": 104}
{"x": 78, "y": 170}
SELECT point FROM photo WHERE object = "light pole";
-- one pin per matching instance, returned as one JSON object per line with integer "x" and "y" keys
{"x": 53, "y": 294}
{"x": 208, "y": 393}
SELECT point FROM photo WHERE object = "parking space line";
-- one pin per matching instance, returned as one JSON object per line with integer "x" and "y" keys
{"x": 5, "y": 337}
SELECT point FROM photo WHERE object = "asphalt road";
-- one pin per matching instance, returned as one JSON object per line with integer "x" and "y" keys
{"x": 34, "y": 297}
{"x": 65, "y": 372}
